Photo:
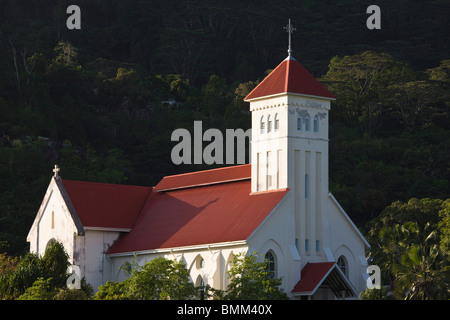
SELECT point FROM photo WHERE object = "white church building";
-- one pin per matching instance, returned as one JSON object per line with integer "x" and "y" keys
{"x": 279, "y": 206}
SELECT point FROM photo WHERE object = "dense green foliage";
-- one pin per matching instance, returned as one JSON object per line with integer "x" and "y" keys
{"x": 102, "y": 102}
{"x": 162, "y": 279}
{"x": 40, "y": 278}
{"x": 389, "y": 132}
{"x": 250, "y": 279}
{"x": 410, "y": 245}
{"x": 158, "y": 279}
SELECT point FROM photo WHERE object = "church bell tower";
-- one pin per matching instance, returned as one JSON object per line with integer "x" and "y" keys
{"x": 289, "y": 127}
{"x": 289, "y": 147}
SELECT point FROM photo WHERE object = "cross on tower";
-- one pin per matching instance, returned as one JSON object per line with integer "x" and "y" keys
{"x": 56, "y": 170}
{"x": 290, "y": 29}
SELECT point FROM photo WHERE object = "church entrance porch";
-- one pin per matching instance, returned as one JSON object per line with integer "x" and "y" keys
{"x": 323, "y": 281}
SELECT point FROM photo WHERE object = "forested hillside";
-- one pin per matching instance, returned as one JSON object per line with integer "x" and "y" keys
{"x": 102, "y": 102}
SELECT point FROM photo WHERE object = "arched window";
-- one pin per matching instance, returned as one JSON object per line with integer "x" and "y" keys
{"x": 316, "y": 123}
{"x": 262, "y": 124}
{"x": 299, "y": 123}
{"x": 271, "y": 264}
{"x": 277, "y": 122}
{"x": 50, "y": 243}
{"x": 228, "y": 267}
{"x": 200, "y": 284}
{"x": 307, "y": 123}
{"x": 200, "y": 262}
{"x": 269, "y": 124}
{"x": 342, "y": 264}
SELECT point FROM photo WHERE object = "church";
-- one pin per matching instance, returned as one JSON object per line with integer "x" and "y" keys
{"x": 278, "y": 206}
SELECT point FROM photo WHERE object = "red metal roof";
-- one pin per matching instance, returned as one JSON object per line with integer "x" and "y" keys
{"x": 199, "y": 178}
{"x": 202, "y": 207}
{"x": 104, "y": 205}
{"x": 202, "y": 215}
{"x": 289, "y": 77}
{"x": 312, "y": 276}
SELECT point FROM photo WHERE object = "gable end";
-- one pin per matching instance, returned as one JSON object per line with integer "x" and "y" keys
{"x": 70, "y": 207}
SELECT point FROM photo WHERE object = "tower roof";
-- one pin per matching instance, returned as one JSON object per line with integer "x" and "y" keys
{"x": 290, "y": 77}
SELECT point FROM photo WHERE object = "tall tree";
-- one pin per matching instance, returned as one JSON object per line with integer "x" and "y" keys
{"x": 160, "y": 279}
{"x": 359, "y": 81}
{"x": 406, "y": 246}
{"x": 251, "y": 279}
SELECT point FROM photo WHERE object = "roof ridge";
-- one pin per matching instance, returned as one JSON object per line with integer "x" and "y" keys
{"x": 144, "y": 203}
{"x": 204, "y": 177}
{"x": 106, "y": 183}
{"x": 203, "y": 184}
{"x": 200, "y": 171}
{"x": 286, "y": 80}
{"x": 263, "y": 80}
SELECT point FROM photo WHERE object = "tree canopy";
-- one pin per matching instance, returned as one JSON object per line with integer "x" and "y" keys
{"x": 410, "y": 244}
{"x": 161, "y": 279}
{"x": 250, "y": 279}
{"x": 40, "y": 278}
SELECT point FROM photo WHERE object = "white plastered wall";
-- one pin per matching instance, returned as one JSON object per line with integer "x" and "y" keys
{"x": 345, "y": 240}
{"x": 53, "y": 221}
{"x": 90, "y": 255}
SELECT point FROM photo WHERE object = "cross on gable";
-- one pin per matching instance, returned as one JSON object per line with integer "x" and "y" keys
{"x": 290, "y": 29}
{"x": 56, "y": 170}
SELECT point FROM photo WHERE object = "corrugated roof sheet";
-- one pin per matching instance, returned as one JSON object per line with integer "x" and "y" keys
{"x": 289, "y": 77}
